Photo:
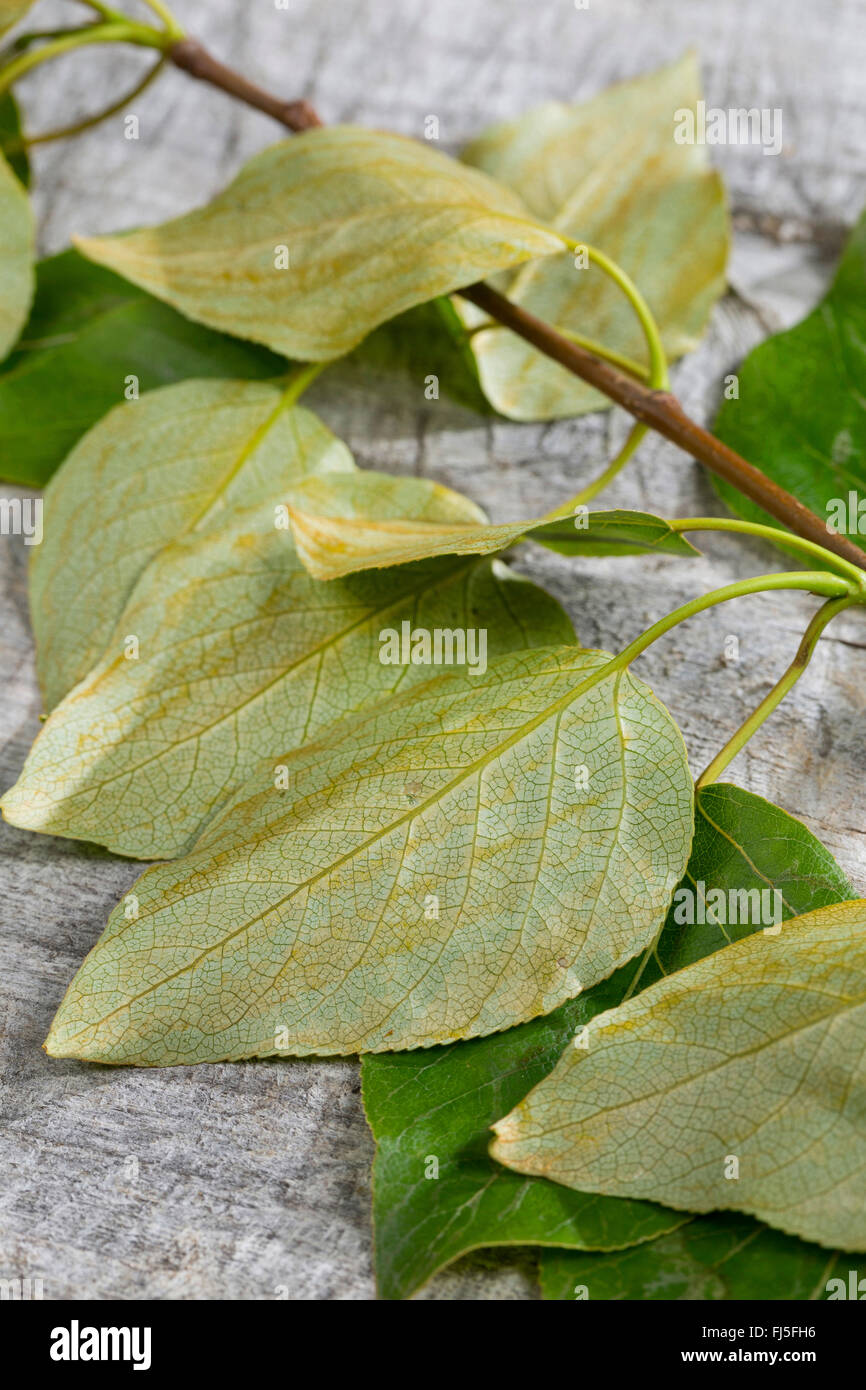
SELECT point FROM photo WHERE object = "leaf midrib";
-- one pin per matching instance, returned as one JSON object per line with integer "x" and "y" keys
{"x": 334, "y": 866}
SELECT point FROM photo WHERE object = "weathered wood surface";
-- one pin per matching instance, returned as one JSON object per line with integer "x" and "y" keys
{"x": 245, "y": 1181}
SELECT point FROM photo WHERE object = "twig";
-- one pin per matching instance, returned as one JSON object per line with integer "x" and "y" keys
{"x": 659, "y": 409}
{"x": 190, "y": 55}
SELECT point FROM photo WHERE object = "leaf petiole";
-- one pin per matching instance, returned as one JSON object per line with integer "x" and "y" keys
{"x": 26, "y": 142}
{"x": 126, "y": 31}
{"x": 813, "y": 581}
{"x": 656, "y": 375}
{"x": 618, "y": 359}
{"x": 807, "y": 646}
{"x": 620, "y": 459}
{"x": 298, "y": 380}
{"x": 658, "y": 362}
{"x": 774, "y": 533}
{"x": 164, "y": 13}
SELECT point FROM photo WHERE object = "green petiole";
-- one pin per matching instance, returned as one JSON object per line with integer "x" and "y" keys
{"x": 776, "y": 534}
{"x": 813, "y": 581}
{"x": 113, "y": 28}
{"x": 807, "y": 646}
{"x": 656, "y": 374}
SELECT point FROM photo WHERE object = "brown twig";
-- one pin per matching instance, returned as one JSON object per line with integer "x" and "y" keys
{"x": 659, "y": 409}
{"x": 190, "y": 55}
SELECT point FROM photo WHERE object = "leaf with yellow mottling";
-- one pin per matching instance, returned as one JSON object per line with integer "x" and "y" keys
{"x": 431, "y": 871}
{"x": 322, "y": 237}
{"x": 190, "y": 644}
{"x": 342, "y": 525}
{"x": 609, "y": 173}
{"x": 755, "y": 1054}
{"x": 17, "y": 250}
{"x": 11, "y": 11}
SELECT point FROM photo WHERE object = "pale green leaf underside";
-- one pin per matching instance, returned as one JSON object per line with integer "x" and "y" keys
{"x": 757, "y": 1052}
{"x": 240, "y": 654}
{"x": 180, "y": 462}
{"x": 609, "y": 173}
{"x": 11, "y": 11}
{"x": 340, "y": 527}
{"x": 443, "y": 1101}
{"x": 16, "y": 257}
{"x": 301, "y": 922}
{"x": 371, "y": 224}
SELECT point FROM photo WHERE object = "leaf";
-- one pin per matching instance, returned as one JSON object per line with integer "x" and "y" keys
{"x": 11, "y": 11}
{"x": 339, "y": 528}
{"x": 755, "y": 1054}
{"x": 439, "y": 1105}
{"x": 90, "y": 331}
{"x": 800, "y": 415}
{"x": 370, "y": 224}
{"x": 16, "y": 257}
{"x": 184, "y": 459}
{"x": 10, "y": 131}
{"x": 301, "y": 922}
{"x": 442, "y": 1102}
{"x": 610, "y": 173}
{"x": 429, "y": 340}
{"x": 240, "y": 655}
{"x": 712, "y": 1257}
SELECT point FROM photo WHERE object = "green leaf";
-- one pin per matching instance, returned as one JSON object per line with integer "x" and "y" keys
{"x": 10, "y": 131}
{"x": 429, "y": 340}
{"x": 17, "y": 239}
{"x": 437, "y": 1194}
{"x": 712, "y": 1257}
{"x": 753, "y": 1055}
{"x": 441, "y": 1103}
{"x": 368, "y": 223}
{"x": 340, "y": 527}
{"x": 609, "y": 173}
{"x": 183, "y": 461}
{"x": 239, "y": 655}
{"x": 89, "y": 332}
{"x": 800, "y": 413}
{"x": 303, "y": 922}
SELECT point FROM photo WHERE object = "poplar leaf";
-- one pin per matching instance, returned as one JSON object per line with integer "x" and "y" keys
{"x": 610, "y": 173}
{"x": 718, "y": 1257}
{"x": 180, "y": 462}
{"x": 85, "y": 320}
{"x": 191, "y": 644}
{"x": 799, "y": 412}
{"x": 441, "y": 1102}
{"x": 89, "y": 338}
{"x": 17, "y": 239}
{"x": 302, "y": 922}
{"x": 10, "y": 134}
{"x": 736, "y": 1084}
{"x": 340, "y": 526}
{"x": 11, "y": 11}
{"x": 324, "y": 236}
